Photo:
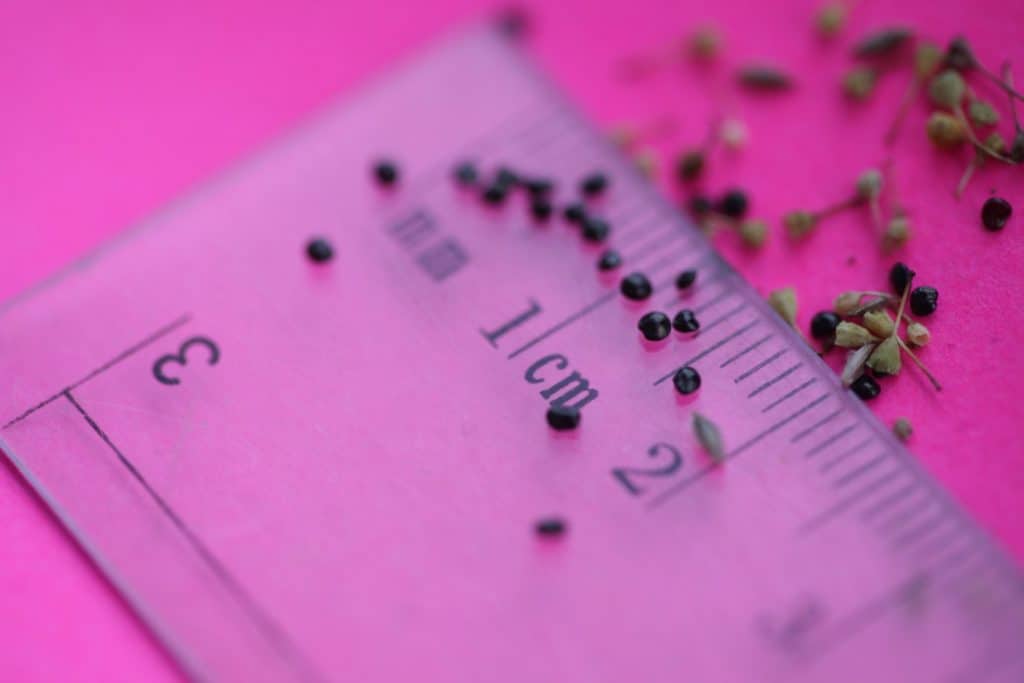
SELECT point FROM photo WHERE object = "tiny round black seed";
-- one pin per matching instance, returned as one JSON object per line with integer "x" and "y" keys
{"x": 924, "y": 300}
{"x": 594, "y": 184}
{"x": 495, "y": 194}
{"x": 690, "y": 166}
{"x": 687, "y": 380}
{"x": 823, "y": 325}
{"x": 686, "y": 279}
{"x": 595, "y": 229}
{"x": 699, "y": 206}
{"x": 506, "y": 178}
{"x": 655, "y": 326}
{"x": 562, "y": 418}
{"x": 465, "y": 174}
{"x": 733, "y": 204}
{"x": 386, "y": 172}
{"x": 575, "y": 213}
{"x": 995, "y": 212}
{"x": 319, "y": 250}
{"x": 685, "y": 321}
{"x": 636, "y": 286}
{"x": 540, "y": 208}
{"x": 609, "y": 260}
{"x": 866, "y": 387}
{"x": 538, "y": 187}
{"x": 550, "y": 526}
{"x": 899, "y": 275}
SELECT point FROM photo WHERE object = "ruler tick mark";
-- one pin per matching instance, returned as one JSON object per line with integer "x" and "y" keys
{"x": 709, "y": 350}
{"x": 848, "y": 502}
{"x": 912, "y": 535}
{"x": 891, "y": 499}
{"x": 778, "y": 378}
{"x": 718, "y": 321}
{"x": 562, "y": 325}
{"x": 856, "y": 473}
{"x": 714, "y": 300}
{"x": 790, "y": 394}
{"x": 733, "y": 359}
{"x": 826, "y": 466}
{"x": 767, "y": 361}
{"x": 810, "y": 430}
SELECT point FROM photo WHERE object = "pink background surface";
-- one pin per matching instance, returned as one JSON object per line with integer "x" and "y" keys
{"x": 110, "y": 111}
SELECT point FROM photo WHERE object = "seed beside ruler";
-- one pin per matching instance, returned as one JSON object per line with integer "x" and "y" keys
{"x": 335, "y": 465}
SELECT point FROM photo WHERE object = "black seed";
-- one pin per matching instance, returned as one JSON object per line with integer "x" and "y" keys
{"x": 685, "y": 321}
{"x": 594, "y": 184}
{"x": 690, "y": 166}
{"x": 609, "y": 260}
{"x": 699, "y": 206}
{"x": 319, "y": 250}
{"x": 733, "y": 204}
{"x": 823, "y": 325}
{"x": 575, "y": 213}
{"x": 538, "y": 187}
{"x": 899, "y": 275}
{"x": 562, "y": 418}
{"x": 883, "y": 43}
{"x": 655, "y": 326}
{"x": 686, "y": 278}
{"x": 924, "y": 300}
{"x": 866, "y": 387}
{"x": 465, "y": 174}
{"x": 687, "y": 380}
{"x": 636, "y": 286}
{"x": 540, "y": 208}
{"x": 386, "y": 172}
{"x": 495, "y": 194}
{"x": 550, "y": 526}
{"x": 595, "y": 229}
{"x": 506, "y": 178}
{"x": 959, "y": 55}
{"x": 995, "y": 212}
{"x": 766, "y": 78}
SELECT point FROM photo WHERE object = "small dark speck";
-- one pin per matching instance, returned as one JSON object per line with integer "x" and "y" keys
{"x": 386, "y": 172}
{"x": 540, "y": 208}
{"x": 319, "y": 250}
{"x": 550, "y": 527}
{"x": 594, "y": 184}
{"x": 465, "y": 174}
{"x": 609, "y": 260}
{"x": 595, "y": 229}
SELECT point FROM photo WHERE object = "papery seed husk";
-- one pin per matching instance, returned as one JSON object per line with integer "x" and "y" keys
{"x": 853, "y": 336}
{"x": 860, "y": 82}
{"x": 846, "y": 303}
{"x": 869, "y": 183}
{"x": 918, "y": 334}
{"x": 784, "y": 302}
{"x": 763, "y": 77}
{"x": 883, "y": 43}
{"x": 854, "y": 366}
{"x": 947, "y": 89}
{"x": 709, "y": 437}
{"x": 885, "y": 358}
{"x": 897, "y": 232}
{"x": 982, "y": 113}
{"x": 995, "y": 143}
{"x": 799, "y": 223}
{"x": 945, "y": 130}
{"x": 902, "y": 429}
{"x": 879, "y": 323}
{"x": 927, "y": 59}
{"x": 753, "y": 232}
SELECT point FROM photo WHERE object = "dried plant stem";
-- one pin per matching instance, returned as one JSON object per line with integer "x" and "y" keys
{"x": 976, "y": 162}
{"x": 836, "y": 208}
{"x": 919, "y": 364}
{"x": 908, "y": 99}
{"x": 959, "y": 111}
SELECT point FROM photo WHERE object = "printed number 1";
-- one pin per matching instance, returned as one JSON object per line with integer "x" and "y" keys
{"x": 181, "y": 358}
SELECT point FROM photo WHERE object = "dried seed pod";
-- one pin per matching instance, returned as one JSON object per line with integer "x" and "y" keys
{"x": 764, "y": 77}
{"x": 799, "y": 223}
{"x": 883, "y": 43}
{"x": 885, "y": 359}
{"x": 947, "y": 89}
{"x": 854, "y": 366}
{"x": 946, "y": 131}
{"x": 853, "y": 336}
{"x": 830, "y": 19}
{"x": 959, "y": 54}
{"x": 902, "y": 429}
{"x": 869, "y": 184}
{"x": 709, "y": 437}
{"x": 784, "y": 302}
{"x": 733, "y": 133}
{"x": 859, "y": 82}
{"x": 753, "y": 232}
{"x": 918, "y": 334}
{"x": 879, "y": 323}
{"x": 995, "y": 142}
{"x": 927, "y": 59}
{"x": 705, "y": 44}
{"x": 847, "y": 302}
{"x": 690, "y": 165}
{"x": 982, "y": 113}
{"x": 897, "y": 232}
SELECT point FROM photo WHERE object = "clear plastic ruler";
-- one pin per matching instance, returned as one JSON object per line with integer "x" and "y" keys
{"x": 300, "y": 471}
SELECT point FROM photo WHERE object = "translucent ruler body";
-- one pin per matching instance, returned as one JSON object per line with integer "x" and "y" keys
{"x": 300, "y": 471}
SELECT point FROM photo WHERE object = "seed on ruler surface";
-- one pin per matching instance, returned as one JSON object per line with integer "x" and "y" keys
{"x": 995, "y": 212}
{"x": 686, "y": 380}
{"x": 823, "y": 325}
{"x": 319, "y": 250}
{"x": 609, "y": 260}
{"x": 784, "y": 302}
{"x": 594, "y": 184}
{"x": 686, "y": 279}
{"x": 733, "y": 204}
{"x": 709, "y": 437}
{"x": 866, "y": 387}
{"x": 595, "y": 229}
{"x": 574, "y": 213}
{"x": 550, "y": 527}
{"x": 495, "y": 193}
{"x": 540, "y": 208}
{"x": 655, "y": 326}
{"x": 386, "y": 172}
{"x": 924, "y": 300}
{"x": 902, "y": 429}
{"x": 538, "y": 187}
{"x": 465, "y": 174}
{"x": 562, "y": 418}
{"x": 685, "y": 321}
{"x": 636, "y": 286}
{"x": 506, "y": 177}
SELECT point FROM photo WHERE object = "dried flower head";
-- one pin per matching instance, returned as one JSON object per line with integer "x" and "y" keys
{"x": 902, "y": 429}
{"x": 897, "y": 232}
{"x": 831, "y": 19}
{"x": 946, "y": 131}
{"x": 733, "y": 133}
{"x": 709, "y": 437}
{"x": 918, "y": 334}
{"x": 982, "y": 113}
{"x": 784, "y": 302}
{"x": 799, "y": 223}
{"x": 705, "y": 44}
{"x": 869, "y": 184}
{"x": 947, "y": 89}
{"x": 847, "y": 302}
{"x": 879, "y": 323}
{"x": 927, "y": 59}
{"x": 753, "y": 232}
{"x": 854, "y": 366}
{"x": 853, "y": 336}
{"x": 885, "y": 359}
{"x": 859, "y": 82}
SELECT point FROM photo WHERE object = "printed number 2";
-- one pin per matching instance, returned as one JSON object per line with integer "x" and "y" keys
{"x": 181, "y": 358}
{"x": 626, "y": 475}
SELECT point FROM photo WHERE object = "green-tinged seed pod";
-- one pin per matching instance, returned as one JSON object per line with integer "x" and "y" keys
{"x": 927, "y": 59}
{"x": 846, "y": 303}
{"x": 830, "y": 19}
{"x": 799, "y": 223}
{"x": 902, "y": 429}
{"x": 784, "y": 302}
{"x": 869, "y": 184}
{"x": 897, "y": 232}
{"x": 879, "y": 323}
{"x": 853, "y": 336}
{"x": 945, "y": 130}
{"x": 859, "y": 83}
{"x": 885, "y": 359}
{"x": 753, "y": 232}
{"x": 918, "y": 334}
{"x": 982, "y": 113}
{"x": 705, "y": 44}
{"x": 995, "y": 142}
{"x": 947, "y": 89}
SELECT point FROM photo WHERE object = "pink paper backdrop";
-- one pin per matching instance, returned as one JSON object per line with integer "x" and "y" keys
{"x": 110, "y": 110}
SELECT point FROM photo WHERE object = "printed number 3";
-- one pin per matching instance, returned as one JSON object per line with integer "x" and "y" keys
{"x": 181, "y": 358}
